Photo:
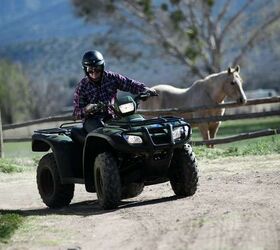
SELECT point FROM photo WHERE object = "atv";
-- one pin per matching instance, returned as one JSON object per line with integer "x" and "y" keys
{"x": 117, "y": 160}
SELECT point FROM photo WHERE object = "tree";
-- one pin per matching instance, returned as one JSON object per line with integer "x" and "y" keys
{"x": 15, "y": 98}
{"x": 48, "y": 98}
{"x": 204, "y": 35}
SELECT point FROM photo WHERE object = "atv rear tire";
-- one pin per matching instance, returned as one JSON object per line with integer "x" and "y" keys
{"x": 132, "y": 190}
{"x": 107, "y": 180}
{"x": 53, "y": 193}
{"x": 183, "y": 172}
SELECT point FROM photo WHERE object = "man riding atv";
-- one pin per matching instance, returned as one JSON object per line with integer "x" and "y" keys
{"x": 117, "y": 151}
{"x": 97, "y": 86}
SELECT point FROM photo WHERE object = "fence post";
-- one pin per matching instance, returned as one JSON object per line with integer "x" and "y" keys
{"x": 1, "y": 138}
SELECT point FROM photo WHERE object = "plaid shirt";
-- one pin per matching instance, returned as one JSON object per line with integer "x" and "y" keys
{"x": 88, "y": 92}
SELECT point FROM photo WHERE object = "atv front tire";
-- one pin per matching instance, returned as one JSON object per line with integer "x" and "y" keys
{"x": 183, "y": 172}
{"x": 53, "y": 193}
{"x": 107, "y": 180}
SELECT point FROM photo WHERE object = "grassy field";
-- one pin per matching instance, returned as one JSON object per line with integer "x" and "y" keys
{"x": 18, "y": 149}
{"x": 229, "y": 128}
{"x": 16, "y": 164}
{"x": 257, "y": 146}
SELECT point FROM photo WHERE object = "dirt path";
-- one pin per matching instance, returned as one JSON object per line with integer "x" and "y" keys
{"x": 237, "y": 206}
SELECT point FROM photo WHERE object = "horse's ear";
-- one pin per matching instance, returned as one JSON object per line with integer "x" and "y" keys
{"x": 237, "y": 68}
{"x": 229, "y": 70}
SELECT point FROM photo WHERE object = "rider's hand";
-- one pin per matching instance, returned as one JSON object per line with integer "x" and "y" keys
{"x": 151, "y": 92}
{"x": 91, "y": 108}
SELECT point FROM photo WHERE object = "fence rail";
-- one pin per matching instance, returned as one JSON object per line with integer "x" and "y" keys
{"x": 242, "y": 136}
{"x": 58, "y": 118}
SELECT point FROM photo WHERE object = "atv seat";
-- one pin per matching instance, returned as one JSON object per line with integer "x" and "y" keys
{"x": 78, "y": 135}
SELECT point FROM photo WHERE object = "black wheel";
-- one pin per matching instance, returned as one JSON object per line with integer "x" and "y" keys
{"x": 107, "y": 180}
{"x": 132, "y": 190}
{"x": 183, "y": 172}
{"x": 53, "y": 193}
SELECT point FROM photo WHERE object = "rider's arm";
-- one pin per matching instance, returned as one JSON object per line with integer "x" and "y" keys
{"x": 128, "y": 85}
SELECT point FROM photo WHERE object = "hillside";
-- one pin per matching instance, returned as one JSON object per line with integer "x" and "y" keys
{"x": 33, "y": 20}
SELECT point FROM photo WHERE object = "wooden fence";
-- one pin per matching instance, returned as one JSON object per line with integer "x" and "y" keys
{"x": 180, "y": 112}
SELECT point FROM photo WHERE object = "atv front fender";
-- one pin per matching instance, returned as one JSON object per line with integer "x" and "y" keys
{"x": 95, "y": 144}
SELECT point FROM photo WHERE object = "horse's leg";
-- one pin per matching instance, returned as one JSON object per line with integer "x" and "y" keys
{"x": 213, "y": 129}
{"x": 203, "y": 128}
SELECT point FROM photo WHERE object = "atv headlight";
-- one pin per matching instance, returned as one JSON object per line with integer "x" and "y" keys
{"x": 180, "y": 132}
{"x": 127, "y": 107}
{"x": 177, "y": 133}
{"x": 133, "y": 139}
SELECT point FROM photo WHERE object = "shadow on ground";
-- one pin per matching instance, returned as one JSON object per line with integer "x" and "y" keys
{"x": 86, "y": 208}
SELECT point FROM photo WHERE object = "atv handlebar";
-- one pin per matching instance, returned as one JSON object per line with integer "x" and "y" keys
{"x": 103, "y": 107}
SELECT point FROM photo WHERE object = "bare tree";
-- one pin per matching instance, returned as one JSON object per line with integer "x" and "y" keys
{"x": 47, "y": 98}
{"x": 14, "y": 93}
{"x": 204, "y": 35}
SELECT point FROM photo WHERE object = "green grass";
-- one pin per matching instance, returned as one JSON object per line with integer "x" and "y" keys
{"x": 9, "y": 166}
{"x": 16, "y": 165}
{"x": 260, "y": 146}
{"x": 229, "y": 128}
{"x": 9, "y": 223}
{"x": 17, "y": 149}
{"x": 21, "y": 150}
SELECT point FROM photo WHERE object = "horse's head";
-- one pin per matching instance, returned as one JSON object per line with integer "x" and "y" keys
{"x": 233, "y": 85}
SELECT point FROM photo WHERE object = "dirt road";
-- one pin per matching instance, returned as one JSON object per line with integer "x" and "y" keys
{"x": 237, "y": 206}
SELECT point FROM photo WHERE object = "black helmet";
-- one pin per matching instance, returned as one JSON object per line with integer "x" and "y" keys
{"x": 93, "y": 59}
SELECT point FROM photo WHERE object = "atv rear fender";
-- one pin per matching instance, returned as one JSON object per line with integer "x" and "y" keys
{"x": 65, "y": 152}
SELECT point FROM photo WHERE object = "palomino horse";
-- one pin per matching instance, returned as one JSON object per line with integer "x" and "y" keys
{"x": 209, "y": 91}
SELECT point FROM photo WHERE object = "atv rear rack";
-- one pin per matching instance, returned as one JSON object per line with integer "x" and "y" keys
{"x": 64, "y": 128}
